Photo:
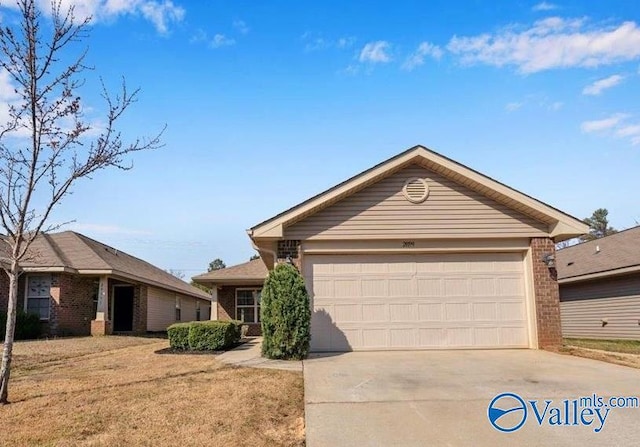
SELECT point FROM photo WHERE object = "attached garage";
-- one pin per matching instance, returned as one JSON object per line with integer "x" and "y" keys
{"x": 422, "y": 301}
{"x": 421, "y": 252}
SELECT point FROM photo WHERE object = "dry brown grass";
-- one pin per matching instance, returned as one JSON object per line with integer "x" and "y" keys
{"x": 621, "y": 353}
{"x": 113, "y": 391}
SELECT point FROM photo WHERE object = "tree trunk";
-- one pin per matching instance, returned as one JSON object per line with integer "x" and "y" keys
{"x": 12, "y": 307}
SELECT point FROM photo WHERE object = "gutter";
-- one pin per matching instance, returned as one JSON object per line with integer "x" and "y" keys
{"x": 597, "y": 275}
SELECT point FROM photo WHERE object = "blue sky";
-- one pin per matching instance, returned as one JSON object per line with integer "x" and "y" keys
{"x": 267, "y": 103}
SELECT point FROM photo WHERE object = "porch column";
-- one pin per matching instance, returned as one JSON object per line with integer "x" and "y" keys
{"x": 214, "y": 302}
{"x": 101, "y": 325}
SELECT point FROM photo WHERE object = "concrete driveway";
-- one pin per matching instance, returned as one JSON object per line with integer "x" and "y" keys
{"x": 441, "y": 398}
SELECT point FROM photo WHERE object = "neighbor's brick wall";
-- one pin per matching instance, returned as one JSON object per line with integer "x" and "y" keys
{"x": 74, "y": 304}
{"x": 227, "y": 309}
{"x": 4, "y": 291}
{"x": 547, "y": 295}
{"x": 140, "y": 298}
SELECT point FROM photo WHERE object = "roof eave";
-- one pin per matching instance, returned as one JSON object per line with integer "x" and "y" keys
{"x": 598, "y": 275}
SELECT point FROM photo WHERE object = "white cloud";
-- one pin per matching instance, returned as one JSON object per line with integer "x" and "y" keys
{"x": 241, "y": 26}
{"x": 603, "y": 124}
{"x": 376, "y": 52}
{"x": 600, "y": 85}
{"x": 217, "y": 41}
{"x": 220, "y": 40}
{"x": 315, "y": 42}
{"x": 551, "y": 43}
{"x": 557, "y": 105}
{"x": 513, "y": 106}
{"x": 425, "y": 49}
{"x": 161, "y": 13}
{"x": 346, "y": 42}
{"x": 544, "y": 6}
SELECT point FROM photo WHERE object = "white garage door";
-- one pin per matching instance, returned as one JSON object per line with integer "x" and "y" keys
{"x": 430, "y": 301}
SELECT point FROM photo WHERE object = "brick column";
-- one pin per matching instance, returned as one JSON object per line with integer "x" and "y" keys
{"x": 547, "y": 295}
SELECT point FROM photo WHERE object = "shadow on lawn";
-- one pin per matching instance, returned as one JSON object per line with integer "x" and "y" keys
{"x": 170, "y": 351}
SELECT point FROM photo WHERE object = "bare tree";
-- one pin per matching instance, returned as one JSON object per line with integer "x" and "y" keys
{"x": 177, "y": 273}
{"x": 46, "y": 145}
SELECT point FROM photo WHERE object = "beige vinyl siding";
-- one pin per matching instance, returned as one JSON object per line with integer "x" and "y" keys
{"x": 161, "y": 309}
{"x": 584, "y": 306}
{"x": 382, "y": 211}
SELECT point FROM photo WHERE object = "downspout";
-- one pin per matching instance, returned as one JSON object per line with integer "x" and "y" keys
{"x": 258, "y": 249}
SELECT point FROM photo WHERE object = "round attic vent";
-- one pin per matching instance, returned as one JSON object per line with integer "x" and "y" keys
{"x": 415, "y": 190}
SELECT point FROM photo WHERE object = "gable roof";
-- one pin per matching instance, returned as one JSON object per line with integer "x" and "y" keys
{"x": 251, "y": 272}
{"x": 611, "y": 255}
{"x": 73, "y": 252}
{"x": 561, "y": 225}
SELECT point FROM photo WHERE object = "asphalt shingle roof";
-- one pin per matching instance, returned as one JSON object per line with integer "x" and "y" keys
{"x": 249, "y": 271}
{"x": 615, "y": 252}
{"x": 72, "y": 250}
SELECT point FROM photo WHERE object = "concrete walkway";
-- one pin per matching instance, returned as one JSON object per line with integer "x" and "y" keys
{"x": 249, "y": 355}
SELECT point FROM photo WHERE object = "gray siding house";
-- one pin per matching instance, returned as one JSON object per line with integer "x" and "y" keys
{"x": 600, "y": 287}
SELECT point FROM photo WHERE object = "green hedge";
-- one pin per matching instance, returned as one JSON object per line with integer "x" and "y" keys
{"x": 204, "y": 335}
{"x": 286, "y": 314}
{"x": 179, "y": 335}
{"x": 28, "y": 326}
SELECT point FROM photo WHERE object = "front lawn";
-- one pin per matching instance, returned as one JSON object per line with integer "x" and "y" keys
{"x": 621, "y": 352}
{"x": 108, "y": 391}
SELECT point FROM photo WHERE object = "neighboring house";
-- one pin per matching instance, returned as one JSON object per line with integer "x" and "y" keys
{"x": 600, "y": 287}
{"x": 421, "y": 252}
{"x": 236, "y": 290}
{"x": 80, "y": 286}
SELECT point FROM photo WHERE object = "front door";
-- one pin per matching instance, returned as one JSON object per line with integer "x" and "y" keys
{"x": 123, "y": 309}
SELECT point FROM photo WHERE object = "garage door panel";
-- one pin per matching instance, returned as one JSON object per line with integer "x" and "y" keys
{"x": 432, "y": 337}
{"x": 487, "y": 311}
{"x": 417, "y": 302}
{"x": 457, "y": 312}
{"x": 375, "y": 287}
{"x": 375, "y": 312}
{"x": 347, "y": 313}
{"x": 430, "y": 311}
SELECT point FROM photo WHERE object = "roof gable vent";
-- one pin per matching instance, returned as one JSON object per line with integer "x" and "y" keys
{"x": 415, "y": 190}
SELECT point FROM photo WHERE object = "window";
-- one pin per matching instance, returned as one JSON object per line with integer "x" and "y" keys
{"x": 248, "y": 305}
{"x": 39, "y": 295}
{"x": 197, "y": 310}
{"x": 94, "y": 296}
{"x": 178, "y": 309}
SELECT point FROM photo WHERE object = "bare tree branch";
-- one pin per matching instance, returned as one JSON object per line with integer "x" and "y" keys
{"x": 45, "y": 145}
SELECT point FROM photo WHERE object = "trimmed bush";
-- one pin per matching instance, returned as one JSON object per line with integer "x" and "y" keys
{"x": 28, "y": 326}
{"x": 178, "y": 334}
{"x": 213, "y": 335}
{"x": 286, "y": 315}
{"x": 204, "y": 335}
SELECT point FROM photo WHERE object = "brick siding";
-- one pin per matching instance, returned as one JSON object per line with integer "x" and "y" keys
{"x": 547, "y": 295}
{"x": 4, "y": 291}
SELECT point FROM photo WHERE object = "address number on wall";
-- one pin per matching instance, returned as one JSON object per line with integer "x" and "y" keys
{"x": 408, "y": 244}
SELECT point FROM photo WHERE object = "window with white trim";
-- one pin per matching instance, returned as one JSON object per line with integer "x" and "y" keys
{"x": 178, "y": 309}
{"x": 248, "y": 305}
{"x": 39, "y": 295}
